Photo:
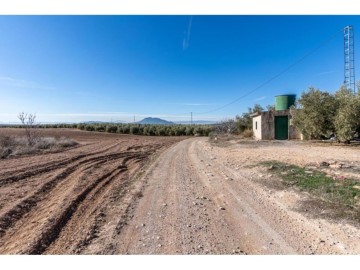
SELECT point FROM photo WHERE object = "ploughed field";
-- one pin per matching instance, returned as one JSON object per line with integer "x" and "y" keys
{"x": 60, "y": 203}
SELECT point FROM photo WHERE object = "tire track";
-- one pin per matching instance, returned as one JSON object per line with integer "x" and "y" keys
{"x": 65, "y": 198}
{"x": 89, "y": 209}
{"x": 44, "y": 168}
{"x": 8, "y": 219}
{"x": 50, "y": 234}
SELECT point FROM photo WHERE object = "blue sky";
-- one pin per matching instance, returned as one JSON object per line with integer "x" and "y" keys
{"x": 80, "y": 68}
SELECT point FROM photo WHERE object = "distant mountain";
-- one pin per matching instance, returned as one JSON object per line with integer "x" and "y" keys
{"x": 197, "y": 122}
{"x": 154, "y": 121}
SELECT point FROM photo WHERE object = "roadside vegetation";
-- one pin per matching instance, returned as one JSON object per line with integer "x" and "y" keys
{"x": 31, "y": 142}
{"x": 10, "y": 146}
{"x": 322, "y": 115}
{"x": 241, "y": 125}
{"x": 337, "y": 190}
{"x": 137, "y": 129}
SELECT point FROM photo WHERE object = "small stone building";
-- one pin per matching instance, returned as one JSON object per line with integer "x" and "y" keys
{"x": 276, "y": 125}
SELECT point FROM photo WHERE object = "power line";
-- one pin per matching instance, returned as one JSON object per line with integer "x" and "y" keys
{"x": 277, "y": 75}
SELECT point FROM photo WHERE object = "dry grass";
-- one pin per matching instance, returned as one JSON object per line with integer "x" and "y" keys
{"x": 17, "y": 146}
{"x": 248, "y": 133}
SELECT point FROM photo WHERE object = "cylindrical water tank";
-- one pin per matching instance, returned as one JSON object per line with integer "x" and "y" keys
{"x": 284, "y": 102}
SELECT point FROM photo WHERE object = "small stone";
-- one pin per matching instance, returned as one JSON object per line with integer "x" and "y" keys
{"x": 142, "y": 225}
{"x": 159, "y": 245}
{"x": 164, "y": 204}
{"x": 324, "y": 164}
{"x": 345, "y": 166}
{"x": 222, "y": 208}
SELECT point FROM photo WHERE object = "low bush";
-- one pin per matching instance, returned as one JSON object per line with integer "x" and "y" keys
{"x": 248, "y": 133}
{"x": 18, "y": 146}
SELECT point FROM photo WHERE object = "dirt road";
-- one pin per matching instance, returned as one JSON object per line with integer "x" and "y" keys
{"x": 140, "y": 195}
{"x": 196, "y": 202}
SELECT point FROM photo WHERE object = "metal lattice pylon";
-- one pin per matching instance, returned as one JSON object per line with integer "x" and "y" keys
{"x": 349, "y": 59}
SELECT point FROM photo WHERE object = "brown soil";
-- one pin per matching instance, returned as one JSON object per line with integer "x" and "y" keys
{"x": 60, "y": 202}
{"x": 148, "y": 195}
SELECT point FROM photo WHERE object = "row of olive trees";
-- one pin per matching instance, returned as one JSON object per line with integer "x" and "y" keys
{"x": 150, "y": 130}
{"x": 319, "y": 114}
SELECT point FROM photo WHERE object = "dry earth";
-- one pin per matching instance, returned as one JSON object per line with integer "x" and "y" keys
{"x": 59, "y": 202}
{"x": 139, "y": 195}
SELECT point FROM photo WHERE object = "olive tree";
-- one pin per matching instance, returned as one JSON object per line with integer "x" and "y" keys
{"x": 314, "y": 113}
{"x": 347, "y": 119}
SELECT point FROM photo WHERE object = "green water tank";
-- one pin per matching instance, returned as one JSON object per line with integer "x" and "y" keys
{"x": 284, "y": 102}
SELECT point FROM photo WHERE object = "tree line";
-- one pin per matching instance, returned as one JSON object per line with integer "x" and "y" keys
{"x": 136, "y": 129}
{"x": 320, "y": 114}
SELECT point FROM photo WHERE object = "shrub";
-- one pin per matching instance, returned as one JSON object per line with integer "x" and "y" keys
{"x": 111, "y": 129}
{"x": 44, "y": 143}
{"x": 20, "y": 145}
{"x": 248, "y": 133}
{"x": 100, "y": 128}
{"x": 81, "y": 126}
{"x": 314, "y": 116}
{"x": 134, "y": 130}
{"x": 6, "y": 141}
{"x": 347, "y": 119}
{"x": 89, "y": 128}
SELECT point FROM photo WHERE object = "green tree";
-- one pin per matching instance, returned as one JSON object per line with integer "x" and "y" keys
{"x": 100, "y": 128}
{"x": 111, "y": 128}
{"x": 347, "y": 119}
{"x": 135, "y": 130}
{"x": 244, "y": 121}
{"x": 189, "y": 131}
{"x": 314, "y": 114}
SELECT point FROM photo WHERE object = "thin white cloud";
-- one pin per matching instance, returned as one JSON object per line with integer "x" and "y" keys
{"x": 8, "y": 81}
{"x": 260, "y": 98}
{"x": 186, "y": 39}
